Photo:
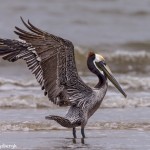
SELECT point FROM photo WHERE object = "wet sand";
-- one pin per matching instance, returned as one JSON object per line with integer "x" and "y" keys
{"x": 96, "y": 140}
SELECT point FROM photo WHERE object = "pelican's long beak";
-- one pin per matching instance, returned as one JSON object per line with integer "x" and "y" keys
{"x": 110, "y": 76}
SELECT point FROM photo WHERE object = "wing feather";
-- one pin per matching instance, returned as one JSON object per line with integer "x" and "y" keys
{"x": 12, "y": 50}
{"x": 56, "y": 72}
{"x": 58, "y": 65}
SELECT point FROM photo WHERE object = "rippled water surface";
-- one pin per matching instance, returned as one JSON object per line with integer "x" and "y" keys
{"x": 117, "y": 29}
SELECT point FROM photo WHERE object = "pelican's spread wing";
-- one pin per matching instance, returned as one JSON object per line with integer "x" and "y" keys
{"x": 57, "y": 66}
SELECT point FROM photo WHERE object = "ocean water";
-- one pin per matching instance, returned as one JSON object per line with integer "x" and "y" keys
{"x": 117, "y": 29}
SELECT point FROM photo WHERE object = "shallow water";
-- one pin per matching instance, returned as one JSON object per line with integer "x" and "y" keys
{"x": 117, "y": 29}
{"x": 108, "y": 129}
{"x": 34, "y": 119}
{"x": 96, "y": 140}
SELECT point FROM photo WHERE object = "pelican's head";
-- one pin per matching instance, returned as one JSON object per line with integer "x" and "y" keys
{"x": 100, "y": 64}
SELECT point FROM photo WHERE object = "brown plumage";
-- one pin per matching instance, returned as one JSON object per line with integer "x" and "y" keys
{"x": 51, "y": 60}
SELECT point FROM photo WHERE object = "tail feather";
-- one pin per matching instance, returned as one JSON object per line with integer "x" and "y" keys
{"x": 64, "y": 121}
{"x": 61, "y": 120}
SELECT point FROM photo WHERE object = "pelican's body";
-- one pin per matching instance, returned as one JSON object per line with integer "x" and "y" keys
{"x": 51, "y": 60}
{"x": 77, "y": 116}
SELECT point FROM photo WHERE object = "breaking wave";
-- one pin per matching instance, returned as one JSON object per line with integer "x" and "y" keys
{"x": 19, "y": 83}
{"x": 122, "y": 56}
{"x": 46, "y": 126}
{"x": 128, "y": 82}
{"x": 131, "y": 101}
{"x": 138, "y": 57}
{"x": 122, "y": 61}
{"x": 31, "y": 101}
{"x": 133, "y": 82}
{"x": 25, "y": 101}
{"x": 119, "y": 60}
{"x": 24, "y": 94}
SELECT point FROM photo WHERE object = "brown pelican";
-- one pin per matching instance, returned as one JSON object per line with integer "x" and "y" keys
{"x": 51, "y": 59}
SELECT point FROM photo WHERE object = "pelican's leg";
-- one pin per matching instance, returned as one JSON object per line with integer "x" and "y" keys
{"x": 82, "y": 132}
{"x": 74, "y": 132}
{"x": 74, "y": 140}
{"x": 82, "y": 140}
